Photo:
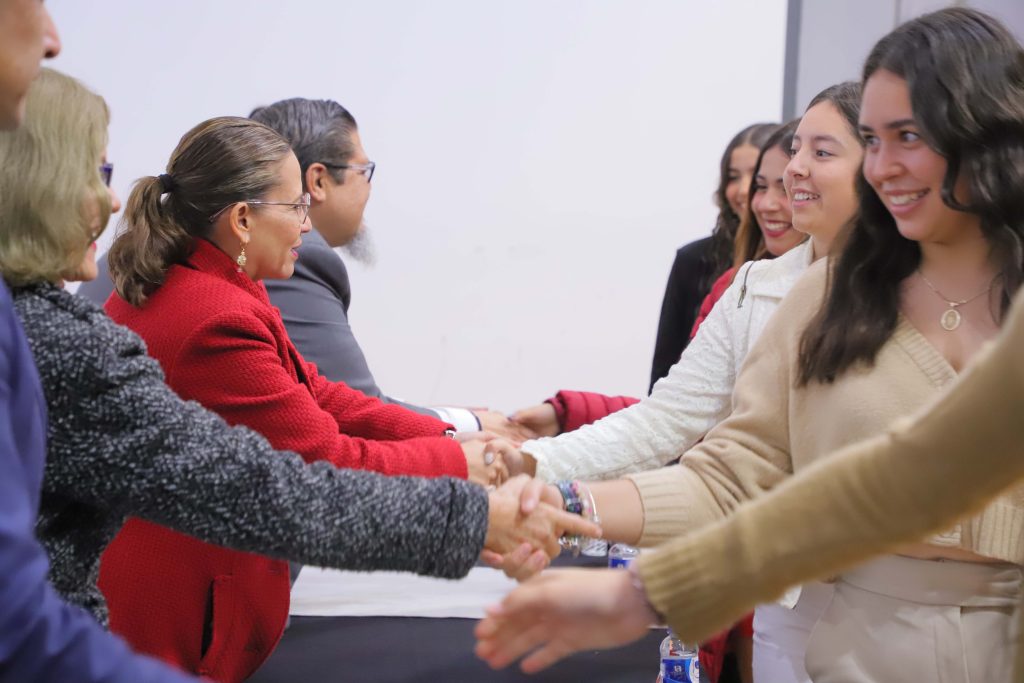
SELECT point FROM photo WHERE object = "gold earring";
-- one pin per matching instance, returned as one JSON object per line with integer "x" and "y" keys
{"x": 241, "y": 258}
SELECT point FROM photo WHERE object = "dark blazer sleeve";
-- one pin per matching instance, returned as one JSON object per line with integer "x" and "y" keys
{"x": 42, "y": 638}
{"x": 314, "y": 306}
{"x": 688, "y": 284}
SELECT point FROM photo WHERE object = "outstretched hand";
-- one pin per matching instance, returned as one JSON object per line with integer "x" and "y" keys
{"x": 485, "y": 466}
{"x": 518, "y": 518}
{"x": 496, "y": 423}
{"x": 525, "y": 561}
{"x": 540, "y": 420}
{"x": 515, "y": 460}
{"x": 561, "y": 612}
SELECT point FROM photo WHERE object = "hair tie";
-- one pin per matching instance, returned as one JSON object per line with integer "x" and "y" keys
{"x": 166, "y": 182}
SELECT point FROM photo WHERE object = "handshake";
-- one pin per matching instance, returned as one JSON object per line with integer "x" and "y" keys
{"x": 493, "y": 454}
{"x": 523, "y": 532}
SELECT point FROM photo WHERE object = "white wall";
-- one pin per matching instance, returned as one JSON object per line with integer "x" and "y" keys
{"x": 539, "y": 161}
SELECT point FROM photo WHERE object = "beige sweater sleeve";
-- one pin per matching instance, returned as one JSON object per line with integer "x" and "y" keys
{"x": 916, "y": 479}
{"x": 748, "y": 453}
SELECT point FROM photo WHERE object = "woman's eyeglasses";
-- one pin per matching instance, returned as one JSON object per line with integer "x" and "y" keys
{"x": 300, "y": 207}
{"x": 106, "y": 172}
{"x": 366, "y": 169}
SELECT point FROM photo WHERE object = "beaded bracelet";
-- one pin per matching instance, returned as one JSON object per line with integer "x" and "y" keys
{"x": 577, "y": 504}
{"x": 571, "y": 496}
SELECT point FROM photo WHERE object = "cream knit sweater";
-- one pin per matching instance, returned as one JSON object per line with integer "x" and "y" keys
{"x": 695, "y": 396}
{"x": 776, "y": 429}
{"x": 917, "y": 478}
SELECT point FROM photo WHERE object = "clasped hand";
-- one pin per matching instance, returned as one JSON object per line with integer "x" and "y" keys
{"x": 523, "y": 531}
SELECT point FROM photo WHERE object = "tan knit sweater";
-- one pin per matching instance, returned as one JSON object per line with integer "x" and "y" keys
{"x": 776, "y": 429}
{"x": 915, "y": 479}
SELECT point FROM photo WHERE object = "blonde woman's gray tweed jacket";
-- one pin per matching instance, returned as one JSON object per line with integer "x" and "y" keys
{"x": 121, "y": 442}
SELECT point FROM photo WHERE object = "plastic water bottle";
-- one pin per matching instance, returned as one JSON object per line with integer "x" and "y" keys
{"x": 620, "y": 556}
{"x": 595, "y": 547}
{"x": 679, "y": 662}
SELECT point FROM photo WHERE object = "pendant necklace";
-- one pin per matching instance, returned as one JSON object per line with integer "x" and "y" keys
{"x": 951, "y": 318}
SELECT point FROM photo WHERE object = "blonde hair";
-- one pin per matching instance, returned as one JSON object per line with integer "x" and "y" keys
{"x": 219, "y": 162}
{"x": 50, "y": 185}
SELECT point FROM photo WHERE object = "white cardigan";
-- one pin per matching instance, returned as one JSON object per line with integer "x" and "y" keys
{"x": 694, "y": 396}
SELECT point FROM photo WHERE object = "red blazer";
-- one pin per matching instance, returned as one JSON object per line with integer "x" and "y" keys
{"x": 221, "y": 343}
{"x": 717, "y": 290}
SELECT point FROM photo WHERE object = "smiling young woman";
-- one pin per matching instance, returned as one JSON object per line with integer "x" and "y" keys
{"x": 860, "y": 342}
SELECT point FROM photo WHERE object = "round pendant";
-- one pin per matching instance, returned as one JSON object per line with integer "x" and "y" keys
{"x": 950, "y": 320}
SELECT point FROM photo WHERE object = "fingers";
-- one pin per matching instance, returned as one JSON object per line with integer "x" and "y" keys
{"x": 530, "y": 496}
{"x": 525, "y": 562}
{"x": 552, "y": 652}
{"x": 492, "y": 559}
{"x": 496, "y": 468}
{"x": 464, "y": 437}
{"x": 509, "y": 453}
{"x": 500, "y": 425}
{"x": 536, "y": 563}
{"x": 539, "y": 420}
{"x": 568, "y": 523}
{"x": 513, "y": 639}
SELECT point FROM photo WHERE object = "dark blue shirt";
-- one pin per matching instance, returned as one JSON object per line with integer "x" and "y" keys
{"x": 42, "y": 638}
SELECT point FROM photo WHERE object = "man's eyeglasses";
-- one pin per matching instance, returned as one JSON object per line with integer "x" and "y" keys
{"x": 106, "y": 172}
{"x": 301, "y": 207}
{"x": 366, "y": 169}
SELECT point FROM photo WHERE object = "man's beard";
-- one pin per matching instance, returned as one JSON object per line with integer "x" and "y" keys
{"x": 361, "y": 248}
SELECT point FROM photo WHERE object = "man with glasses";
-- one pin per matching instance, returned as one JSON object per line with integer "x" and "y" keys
{"x": 42, "y": 638}
{"x": 314, "y": 302}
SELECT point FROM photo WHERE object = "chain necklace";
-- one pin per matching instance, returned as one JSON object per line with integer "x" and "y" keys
{"x": 951, "y": 318}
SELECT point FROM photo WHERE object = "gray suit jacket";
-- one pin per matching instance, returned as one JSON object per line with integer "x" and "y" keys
{"x": 314, "y": 306}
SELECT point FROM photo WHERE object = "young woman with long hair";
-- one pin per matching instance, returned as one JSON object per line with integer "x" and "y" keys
{"x": 697, "y": 393}
{"x": 698, "y": 264}
{"x": 923, "y": 281}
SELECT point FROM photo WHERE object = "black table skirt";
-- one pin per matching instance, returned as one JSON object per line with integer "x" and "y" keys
{"x": 393, "y": 649}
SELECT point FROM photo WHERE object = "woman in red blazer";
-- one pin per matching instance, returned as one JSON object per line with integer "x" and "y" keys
{"x": 196, "y": 242}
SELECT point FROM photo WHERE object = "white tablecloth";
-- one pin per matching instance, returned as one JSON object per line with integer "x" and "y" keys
{"x": 333, "y": 593}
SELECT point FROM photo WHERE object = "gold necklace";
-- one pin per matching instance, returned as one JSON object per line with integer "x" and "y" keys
{"x": 951, "y": 318}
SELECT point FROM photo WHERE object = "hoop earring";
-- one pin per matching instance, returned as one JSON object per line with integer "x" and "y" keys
{"x": 241, "y": 260}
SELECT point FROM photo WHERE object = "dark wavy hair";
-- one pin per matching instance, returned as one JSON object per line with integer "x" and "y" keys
{"x": 318, "y": 131}
{"x": 845, "y": 97}
{"x": 724, "y": 234}
{"x": 749, "y": 242}
{"x": 965, "y": 74}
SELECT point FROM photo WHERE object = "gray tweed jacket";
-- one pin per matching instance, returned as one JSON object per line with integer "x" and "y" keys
{"x": 122, "y": 443}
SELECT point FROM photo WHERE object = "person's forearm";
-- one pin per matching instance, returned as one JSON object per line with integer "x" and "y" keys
{"x": 868, "y": 499}
{"x": 174, "y": 463}
{"x": 620, "y": 509}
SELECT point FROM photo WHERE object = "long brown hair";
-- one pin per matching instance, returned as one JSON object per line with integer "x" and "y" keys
{"x": 723, "y": 236}
{"x": 749, "y": 243}
{"x": 965, "y": 74}
{"x": 219, "y": 162}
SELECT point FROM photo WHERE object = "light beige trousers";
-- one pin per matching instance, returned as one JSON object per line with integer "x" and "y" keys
{"x": 901, "y": 619}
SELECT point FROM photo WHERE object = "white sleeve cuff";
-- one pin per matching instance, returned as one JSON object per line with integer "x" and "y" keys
{"x": 461, "y": 418}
